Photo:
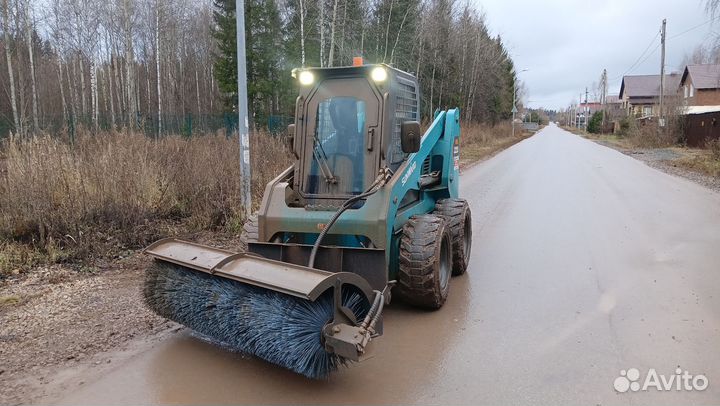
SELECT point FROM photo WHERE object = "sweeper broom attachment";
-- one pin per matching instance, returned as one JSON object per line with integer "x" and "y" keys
{"x": 229, "y": 301}
{"x": 278, "y": 328}
{"x": 369, "y": 203}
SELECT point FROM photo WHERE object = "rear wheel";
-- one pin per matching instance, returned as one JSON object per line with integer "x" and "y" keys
{"x": 249, "y": 232}
{"x": 459, "y": 219}
{"x": 425, "y": 261}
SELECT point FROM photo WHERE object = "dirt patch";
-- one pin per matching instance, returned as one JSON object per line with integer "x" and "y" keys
{"x": 57, "y": 318}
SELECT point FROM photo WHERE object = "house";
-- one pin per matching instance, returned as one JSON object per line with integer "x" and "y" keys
{"x": 640, "y": 94}
{"x": 591, "y": 107}
{"x": 700, "y": 93}
{"x": 700, "y": 85}
{"x": 614, "y": 106}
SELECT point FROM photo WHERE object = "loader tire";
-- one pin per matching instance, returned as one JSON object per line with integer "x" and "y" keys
{"x": 249, "y": 232}
{"x": 425, "y": 261}
{"x": 459, "y": 219}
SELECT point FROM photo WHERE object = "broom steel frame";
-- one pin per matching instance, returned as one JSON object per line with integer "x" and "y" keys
{"x": 284, "y": 277}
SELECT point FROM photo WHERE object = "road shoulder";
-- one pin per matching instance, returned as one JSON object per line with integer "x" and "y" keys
{"x": 688, "y": 163}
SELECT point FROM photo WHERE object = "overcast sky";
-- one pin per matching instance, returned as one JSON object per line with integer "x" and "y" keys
{"x": 565, "y": 44}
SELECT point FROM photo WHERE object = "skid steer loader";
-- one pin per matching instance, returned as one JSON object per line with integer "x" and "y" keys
{"x": 369, "y": 208}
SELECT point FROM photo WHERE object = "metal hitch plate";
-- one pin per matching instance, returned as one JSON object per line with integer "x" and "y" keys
{"x": 291, "y": 279}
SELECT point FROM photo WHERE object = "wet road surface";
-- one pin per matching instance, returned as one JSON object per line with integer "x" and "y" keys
{"x": 585, "y": 262}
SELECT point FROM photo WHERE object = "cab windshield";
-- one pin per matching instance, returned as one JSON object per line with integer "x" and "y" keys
{"x": 337, "y": 165}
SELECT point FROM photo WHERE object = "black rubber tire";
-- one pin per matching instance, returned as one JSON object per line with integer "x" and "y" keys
{"x": 459, "y": 219}
{"x": 249, "y": 232}
{"x": 425, "y": 262}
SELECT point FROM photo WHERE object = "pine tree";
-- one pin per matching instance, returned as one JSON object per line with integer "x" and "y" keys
{"x": 263, "y": 44}
{"x": 226, "y": 60}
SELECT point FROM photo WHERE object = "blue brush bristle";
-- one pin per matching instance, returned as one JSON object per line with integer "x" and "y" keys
{"x": 278, "y": 328}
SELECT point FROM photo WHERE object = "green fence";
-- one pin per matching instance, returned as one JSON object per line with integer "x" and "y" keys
{"x": 172, "y": 124}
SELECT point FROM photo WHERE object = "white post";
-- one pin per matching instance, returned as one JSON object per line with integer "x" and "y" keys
{"x": 513, "y": 109}
{"x": 243, "y": 131}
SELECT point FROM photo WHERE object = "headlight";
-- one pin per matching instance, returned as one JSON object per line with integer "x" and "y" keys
{"x": 378, "y": 74}
{"x": 306, "y": 78}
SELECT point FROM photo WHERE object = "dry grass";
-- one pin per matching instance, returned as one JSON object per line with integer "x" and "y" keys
{"x": 478, "y": 141}
{"x": 9, "y": 300}
{"x": 705, "y": 161}
{"x": 71, "y": 201}
{"x": 651, "y": 136}
{"x": 635, "y": 136}
{"x": 104, "y": 195}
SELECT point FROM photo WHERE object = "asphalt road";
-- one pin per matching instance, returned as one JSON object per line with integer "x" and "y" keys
{"x": 585, "y": 262}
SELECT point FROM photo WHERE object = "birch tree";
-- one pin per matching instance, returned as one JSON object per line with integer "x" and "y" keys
{"x": 31, "y": 60}
{"x": 129, "y": 64}
{"x": 8, "y": 59}
{"x": 122, "y": 64}
{"x": 157, "y": 67}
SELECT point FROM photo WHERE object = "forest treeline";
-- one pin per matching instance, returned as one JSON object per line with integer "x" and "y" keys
{"x": 168, "y": 66}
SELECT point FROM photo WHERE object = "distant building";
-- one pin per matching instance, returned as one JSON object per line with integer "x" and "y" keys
{"x": 700, "y": 85}
{"x": 613, "y": 109}
{"x": 614, "y": 106}
{"x": 591, "y": 107}
{"x": 700, "y": 93}
{"x": 640, "y": 94}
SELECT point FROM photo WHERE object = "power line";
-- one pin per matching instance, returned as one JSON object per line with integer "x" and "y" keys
{"x": 652, "y": 53}
{"x": 639, "y": 57}
{"x": 693, "y": 28}
{"x": 638, "y": 62}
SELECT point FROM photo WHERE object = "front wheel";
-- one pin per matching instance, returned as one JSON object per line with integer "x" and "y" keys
{"x": 425, "y": 261}
{"x": 459, "y": 219}
{"x": 249, "y": 232}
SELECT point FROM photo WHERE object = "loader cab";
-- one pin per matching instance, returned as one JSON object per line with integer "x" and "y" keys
{"x": 347, "y": 127}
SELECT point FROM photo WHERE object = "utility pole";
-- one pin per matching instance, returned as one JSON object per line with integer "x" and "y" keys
{"x": 587, "y": 108}
{"x": 603, "y": 96}
{"x": 661, "y": 121}
{"x": 514, "y": 109}
{"x": 574, "y": 116}
{"x": 242, "y": 106}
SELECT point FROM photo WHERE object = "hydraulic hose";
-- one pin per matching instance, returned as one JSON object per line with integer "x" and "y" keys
{"x": 377, "y": 184}
{"x": 376, "y": 316}
{"x": 373, "y": 309}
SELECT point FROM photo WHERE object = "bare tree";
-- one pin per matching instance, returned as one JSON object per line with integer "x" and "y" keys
{"x": 129, "y": 65}
{"x": 157, "y": 66}
{"x": 121, "y": 64}
{"x": 321, "y": 28}
{"x": 332, "y": 34}
{"x": 302, "y": 32}
{"x": 8, "y": 59}
{"x": 28, "y": 42}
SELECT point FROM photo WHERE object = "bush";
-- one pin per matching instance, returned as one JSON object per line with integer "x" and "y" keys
{"x": 58, "y": 196}
{"x": 714, "y": 147}
{"x": 595, "y": 124}
{"x": 625, "y": 126}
